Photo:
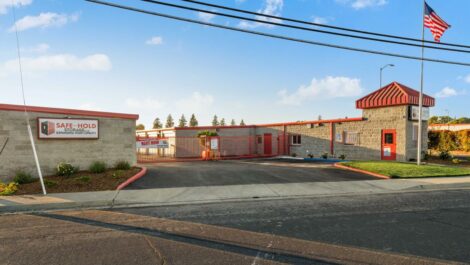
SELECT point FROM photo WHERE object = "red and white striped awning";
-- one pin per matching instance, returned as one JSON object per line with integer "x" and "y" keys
{"x": 392, "y": 95}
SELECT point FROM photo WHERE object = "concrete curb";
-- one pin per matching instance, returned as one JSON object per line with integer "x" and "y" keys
{"x": 338, "y": 165}
{"x": 132, "y": 179}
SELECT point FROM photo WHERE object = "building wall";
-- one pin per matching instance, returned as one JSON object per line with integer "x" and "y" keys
{"x": 116, "y": 142}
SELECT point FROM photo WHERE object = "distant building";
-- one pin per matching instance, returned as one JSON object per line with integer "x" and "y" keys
{"x": 387, "y": 130}
{"x": 449, "y": 127}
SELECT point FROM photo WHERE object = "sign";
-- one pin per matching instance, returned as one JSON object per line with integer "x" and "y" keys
{"x": 387, "y": 151}
{"x": 413, "y": 113}
{"x": 339, "y": 137}
{"x": 51, "y": 128}
{"x": 153, "y": 143}
{"x": 214, "y": 143}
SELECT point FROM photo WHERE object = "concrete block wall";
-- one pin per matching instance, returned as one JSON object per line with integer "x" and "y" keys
{"x": 116, "y": 142}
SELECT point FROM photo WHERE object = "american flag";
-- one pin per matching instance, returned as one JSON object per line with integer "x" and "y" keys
{"x": 434, "y": 23}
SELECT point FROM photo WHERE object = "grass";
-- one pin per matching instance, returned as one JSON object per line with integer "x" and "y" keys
{"x": 408, "y": 170}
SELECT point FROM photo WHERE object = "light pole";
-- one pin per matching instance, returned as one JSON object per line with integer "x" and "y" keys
{"x": 381, "y": 69}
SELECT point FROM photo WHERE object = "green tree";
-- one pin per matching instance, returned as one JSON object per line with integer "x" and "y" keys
{"x": 215, "y": 121}
{"x": 232, "y": 123}
{"x": 222, "y": 122}
{"x": 462, "y": 120}
{"x": 157, "y": 123}
{"x": 193, "y": 121}
{"x": 169, "y": 122}
{"x": 433, "y": 120}
{"x": 140, "y": 127}
{"x": 183, "y": 122}
{"x": 242, "y": 123}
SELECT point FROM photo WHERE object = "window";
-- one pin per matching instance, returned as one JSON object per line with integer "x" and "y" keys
{"x": 296, "y": 139}
{"x": 259, "y": 139}
{"x": 415, "y": 132}
{"x": 389, "y": 138}
{"x": 351, "y": 138}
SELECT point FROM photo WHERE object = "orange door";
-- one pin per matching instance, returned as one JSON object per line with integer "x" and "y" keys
{"x": 389, "y": 145}
{"x": 268, "y": 145}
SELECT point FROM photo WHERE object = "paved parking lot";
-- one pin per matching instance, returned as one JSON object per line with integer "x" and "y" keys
{"x": 219, "y": 173}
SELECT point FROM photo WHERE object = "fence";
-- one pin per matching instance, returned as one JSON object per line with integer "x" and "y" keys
{"x": 177, "y": 148}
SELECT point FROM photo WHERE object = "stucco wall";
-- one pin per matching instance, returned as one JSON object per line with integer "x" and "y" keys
{"x": 116, "y": 142}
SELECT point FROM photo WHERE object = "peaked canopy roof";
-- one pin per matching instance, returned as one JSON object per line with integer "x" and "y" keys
{"x": 391, "y": 95}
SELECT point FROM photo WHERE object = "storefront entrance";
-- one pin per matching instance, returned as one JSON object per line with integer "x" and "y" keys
{"x": 389, "y": 145}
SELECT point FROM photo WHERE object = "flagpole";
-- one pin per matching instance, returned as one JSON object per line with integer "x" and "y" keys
{"x": 420, "y": 119}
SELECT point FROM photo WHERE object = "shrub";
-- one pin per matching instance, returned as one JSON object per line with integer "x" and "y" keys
{"x": 122, "y": 165}
{"x": 425, "y": 156}
{"x": 310, "y": 155}
{"x": 206, "y": 133}
{"x": 456, "y": 161}
{"x": 8, "y": 189}
{"x": 97, "y": 167}
{"x": 324, "y": 155}
{"x": 444, "y": 155}
{"x": 65, "y": 169}
{"x": 342, "y": 157}
{"x": 85, "y": 179}
{"x": 50, "y": 183}
{"x": 294, "y": 155}
{"x": 118, "y": 174}
{"x": 23, "y": 178}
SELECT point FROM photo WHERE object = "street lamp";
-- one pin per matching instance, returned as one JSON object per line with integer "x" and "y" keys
{"x": 381, "y": 69}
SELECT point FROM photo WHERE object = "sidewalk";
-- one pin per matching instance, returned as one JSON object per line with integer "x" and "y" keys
{"x": 206, "y": 194}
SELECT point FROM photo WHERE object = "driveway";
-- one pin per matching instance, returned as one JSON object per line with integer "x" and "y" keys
{"x": 219, "y": 173}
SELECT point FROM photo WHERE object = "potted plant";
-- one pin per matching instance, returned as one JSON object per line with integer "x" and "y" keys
{"x": 202, "y": 135}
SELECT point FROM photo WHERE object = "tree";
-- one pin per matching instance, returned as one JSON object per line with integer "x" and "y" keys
{"x": 157, "y": 124}
{"x": 183, "y": 122}
{"x": 222, "y": 122}
{"x": 242, "y": 123}
{"x": 193, "y": 121}
{"x": 232, "y": 123}
{"x": 462, "y": 120}
{"x": 169, "y": 122}
{"x": 140, "y": 127}
{"x": 215, "y": 121}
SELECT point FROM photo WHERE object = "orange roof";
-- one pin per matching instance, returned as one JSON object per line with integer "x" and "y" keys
{"x": 391, "y": 95}
{"x": 10, "y": 107}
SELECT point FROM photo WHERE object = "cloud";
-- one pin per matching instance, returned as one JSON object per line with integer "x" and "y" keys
{"x": 320, "y": 20}
{"x": 147, "y": 103}
{"x": 448, "y": 92}
{"x": 328, "y": 87}
{"x": 43, "y": 20}
{"x": 157, "y": 40}
{"x": 6, "y": 4}
{"x": 89, "y": 106}
{"x": 205, "y": 17}
{"x": 58, "y": 62}
{"x": 360, "y": 4}
{"x": 197, "y": 102}
{"x": 467, "y": 79}
{"x": 40, "y": 48}
{"x": 271, "y": 7}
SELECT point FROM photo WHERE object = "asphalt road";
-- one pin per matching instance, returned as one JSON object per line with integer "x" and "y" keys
{"x": 402, "y": 228}
{"x": 218, "y": 173}
{"x": 427, "y": 224}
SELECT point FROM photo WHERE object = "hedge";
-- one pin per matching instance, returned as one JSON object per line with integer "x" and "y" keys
{"x": 449, "y": 140}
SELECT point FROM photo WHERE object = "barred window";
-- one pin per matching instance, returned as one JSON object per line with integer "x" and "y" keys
{"x": 296, "y": 139}
{"x": 351, "y": 138}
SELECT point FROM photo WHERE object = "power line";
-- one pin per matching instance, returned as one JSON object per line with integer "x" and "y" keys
{"x": 304, "y": 28}
{"x": 323, "y": 25}
{"x": 275, "y": 36}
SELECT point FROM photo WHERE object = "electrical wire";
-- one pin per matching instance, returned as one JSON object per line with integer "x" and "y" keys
{"x": 304, "y": 28}
{"x": 323, "y": 25}
{"x": 276, "y": 36}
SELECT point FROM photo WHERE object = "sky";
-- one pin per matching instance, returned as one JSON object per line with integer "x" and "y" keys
{"x": 80, "y": 55}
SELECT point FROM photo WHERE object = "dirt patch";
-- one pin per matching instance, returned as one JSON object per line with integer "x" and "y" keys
{"x": 80, "y": 182}
{"x": 436, "y": 160}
